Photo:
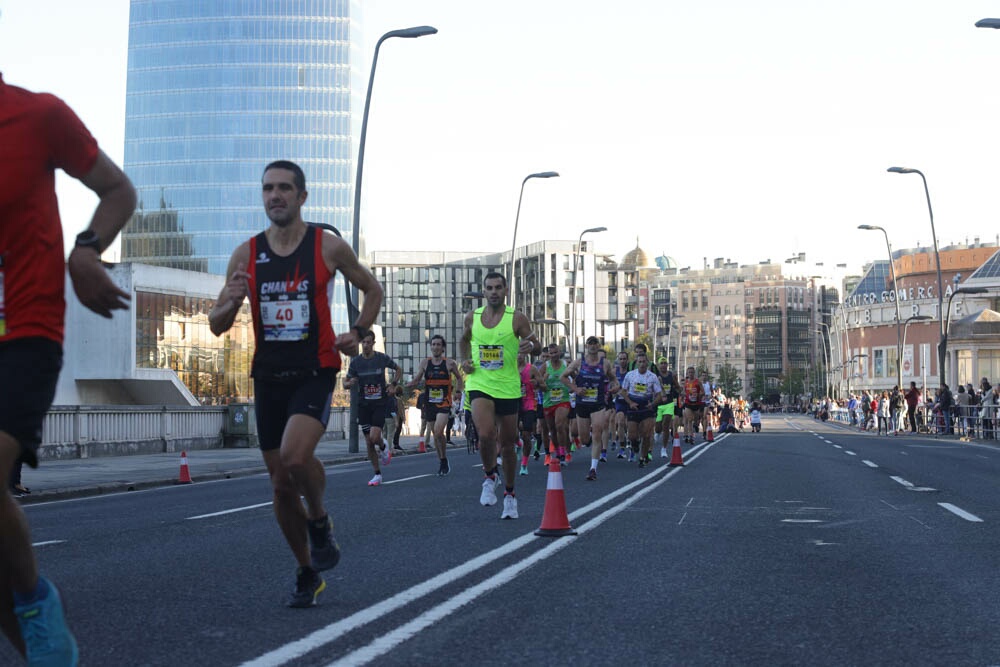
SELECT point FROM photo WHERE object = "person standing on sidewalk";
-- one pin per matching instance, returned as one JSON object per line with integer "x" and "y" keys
{"x": 368, "y": 370}
{"x": 39, "y": 133}
{"x": 436, "y": 372}
{"x": 287, "y": 271}
{"x": 492, "y": 337}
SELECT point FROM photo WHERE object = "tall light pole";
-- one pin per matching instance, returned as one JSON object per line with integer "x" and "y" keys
{"x": 937, "y": 262}
{"x": 826, "y": 356}
{"x": 895, "y": 299}
{"x": 517, "y": 218}
{"x": 960, "y": 290}
{"x": 906, "y": 324}
{"x": 988, "y": 23}
{"x": 551, "y": 321}
{"x": 851, "y": 371}
{"x": 576, "y": 260}
{"x": 670, "y": 330}
{"x": 352, "y": 301}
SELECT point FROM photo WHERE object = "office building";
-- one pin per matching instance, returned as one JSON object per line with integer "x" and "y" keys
{"x": 218, "y": 89}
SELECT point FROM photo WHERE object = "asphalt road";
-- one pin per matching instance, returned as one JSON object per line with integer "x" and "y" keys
{"x": 805, "y": 544}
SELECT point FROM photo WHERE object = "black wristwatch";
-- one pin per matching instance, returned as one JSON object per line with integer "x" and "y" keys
{"x": 89, "y": 239}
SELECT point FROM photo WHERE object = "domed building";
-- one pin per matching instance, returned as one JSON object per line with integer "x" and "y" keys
{"x": 666, "y": 263}
{"x": 636, "y": 259}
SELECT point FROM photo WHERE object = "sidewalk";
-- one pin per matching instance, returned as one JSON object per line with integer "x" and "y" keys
{"x": 74, "y": 478}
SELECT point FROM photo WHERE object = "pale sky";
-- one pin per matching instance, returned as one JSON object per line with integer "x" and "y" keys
{"x": 744, "y": 130}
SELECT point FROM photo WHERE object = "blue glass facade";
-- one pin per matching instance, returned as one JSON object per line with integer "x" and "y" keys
{"x": 216, "y": 90}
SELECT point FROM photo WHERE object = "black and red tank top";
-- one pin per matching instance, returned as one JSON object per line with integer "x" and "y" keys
{"x": 437, "y": 379}
{"x": 290, "y": 303}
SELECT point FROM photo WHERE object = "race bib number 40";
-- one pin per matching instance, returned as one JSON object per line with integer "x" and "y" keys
{"x": 285, "y": 320}
{"x": 491, "y": 357}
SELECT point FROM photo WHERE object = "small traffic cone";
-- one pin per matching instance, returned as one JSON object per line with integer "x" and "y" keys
{"x": 708, "y": 435}
{"x": 185, "y": 476}
{"x": 422, "y": 449}
{"x": 676, "y": 458}
{"x": 555, "y": 521}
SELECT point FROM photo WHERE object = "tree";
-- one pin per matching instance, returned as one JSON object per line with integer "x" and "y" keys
{"x": 729, "y": 380}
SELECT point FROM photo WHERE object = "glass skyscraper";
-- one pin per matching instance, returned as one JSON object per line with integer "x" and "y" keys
{"x": 216, "y": 90}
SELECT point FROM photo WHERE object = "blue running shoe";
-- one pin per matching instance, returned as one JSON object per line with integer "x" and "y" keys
{"x": 48, "y": 641}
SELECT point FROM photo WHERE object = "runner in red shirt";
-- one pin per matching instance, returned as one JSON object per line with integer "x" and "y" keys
{"x": 40, "y": 134}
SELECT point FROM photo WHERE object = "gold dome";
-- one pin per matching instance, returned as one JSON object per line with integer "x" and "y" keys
{"x": 637, "y": 258}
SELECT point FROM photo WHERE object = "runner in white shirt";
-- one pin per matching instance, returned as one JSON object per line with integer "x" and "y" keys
{"x": 641, "y": 390}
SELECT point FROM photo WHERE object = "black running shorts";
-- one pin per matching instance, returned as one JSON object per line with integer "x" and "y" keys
{"x": 29, "y": 371}
{"x": 502, "y": 407}
{"x": 278, "y": 399}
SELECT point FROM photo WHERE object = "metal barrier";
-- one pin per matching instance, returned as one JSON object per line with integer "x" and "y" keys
{"x": 86, "y": 431}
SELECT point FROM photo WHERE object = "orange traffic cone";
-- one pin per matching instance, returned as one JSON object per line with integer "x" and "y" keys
{"x": 676, "y": 458}
{"x": 555, "y": 521}
{"x": 185, "y": 476}
{"x": 422, "y": 449}
{"x": 708, "y": 435}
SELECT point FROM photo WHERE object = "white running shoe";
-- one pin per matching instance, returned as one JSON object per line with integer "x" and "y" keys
{"x": 385, "y": 455}
{"x": 663, "y": 452}
{"x": 489, "y": 495}
{"x": 509, "y": 507}
{"x": 375, "y": 481}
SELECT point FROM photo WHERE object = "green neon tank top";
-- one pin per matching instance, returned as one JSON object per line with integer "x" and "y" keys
{"x": 494, "y": 357}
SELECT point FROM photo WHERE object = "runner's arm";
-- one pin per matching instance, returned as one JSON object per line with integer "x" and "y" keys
{"x": 465, "y": 344}
{"x": 236, "y": 289}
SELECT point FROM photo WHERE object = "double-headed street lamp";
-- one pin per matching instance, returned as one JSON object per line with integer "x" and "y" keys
{"x": 352, "y": 301}
{"x": 851, "y": 371}
{"x": 895, "y": 299}
{"x": 937, "y": 262}
{"x": 906, "y": 324}
{"x": 517, "y": 217}
{"x": 944, "y": 336}
{"x": 576, "y": 260}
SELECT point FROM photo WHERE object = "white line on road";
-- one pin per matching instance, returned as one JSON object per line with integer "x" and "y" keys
{"x": 236, "y": 509}
{"x": 405, "y": 479}
{"x": 910, "y": 486}
{"x": 849, "y": 452}
{"x": 44, "y": 544}
{"x": 869, "y": 463}
{"x": 838, "y": 446}
{"x": 334, "y": 631}
{"x": 391, "y": 640}
{"x": 902, "y": 481}
{"x": 961, "y": 512}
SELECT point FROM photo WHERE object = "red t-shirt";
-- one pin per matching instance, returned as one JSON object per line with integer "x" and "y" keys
{"x": 38, "y": 134}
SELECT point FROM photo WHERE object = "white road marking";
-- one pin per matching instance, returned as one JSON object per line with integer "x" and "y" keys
{"x": 849, "y": 452}
{"x": 334, "y": 631}
{"x": 838, "y": 446}
{"x": 405, "y": 479}
{"x": 232, "y": 511}
{"x": 909, "y": 485}
{"x": 869, "y": 464}
{"x": 902, "y": 481}
{"x": 801, "y": 521}
{"x": 960, "y": 512}
{"x": 46, "y": 543}
{"x": 684, "y": 516}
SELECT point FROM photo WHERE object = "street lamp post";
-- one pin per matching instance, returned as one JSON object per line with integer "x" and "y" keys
{"x": 988, "y": 23}
{"x": 352, "y": 302}
{"x": 937, "y": 262}
{"x": 944, "y": 336}
{"x": 826, "y": 356}
{"x": 851, "y": 372}
{"x": 895, "y": 299}
{"x": 670, "y": 330}
{"x": 551, "y": 321}
{"x": 906, "y": 324}
{"x": 576, "y": 260}
{"x": 517, "y": 217}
